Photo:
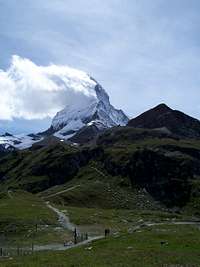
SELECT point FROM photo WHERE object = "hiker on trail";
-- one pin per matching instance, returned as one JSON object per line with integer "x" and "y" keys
{"x": 107, "y": 232}
{"x": 75, "y": 236}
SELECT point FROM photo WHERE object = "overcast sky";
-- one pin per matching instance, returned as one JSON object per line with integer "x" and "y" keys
{"x": 142, "y": 52}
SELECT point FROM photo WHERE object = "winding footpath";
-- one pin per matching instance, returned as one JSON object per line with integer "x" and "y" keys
{"x": 174, "y": 223}
{"x": 67, "y": 225}
{"x": 63, "y": 219}
{"x": 98, "y": 171}
{"x": 60, "y": 247}
{"x": 61, "y": 192}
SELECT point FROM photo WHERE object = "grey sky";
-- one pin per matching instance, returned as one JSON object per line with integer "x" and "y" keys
{"x": 142, "y": 52}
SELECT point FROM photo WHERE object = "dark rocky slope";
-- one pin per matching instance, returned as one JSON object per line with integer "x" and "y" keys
{"x": 153, "y": 161}
{"x": 174, "y": 121}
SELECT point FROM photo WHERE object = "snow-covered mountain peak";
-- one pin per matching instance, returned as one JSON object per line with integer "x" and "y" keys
{"x": 89, "y": 108}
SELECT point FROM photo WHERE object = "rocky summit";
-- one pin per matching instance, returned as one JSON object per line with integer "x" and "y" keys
{"x": 172, "y": 121}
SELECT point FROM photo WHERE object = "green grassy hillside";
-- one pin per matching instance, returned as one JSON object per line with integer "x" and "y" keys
{"x": 127, "y": 168}
{"x": 94, "y": 187}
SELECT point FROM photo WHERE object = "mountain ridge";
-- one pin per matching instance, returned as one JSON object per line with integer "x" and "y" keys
{"x": 81, "y": 129}
{"x": 175, "y": 121}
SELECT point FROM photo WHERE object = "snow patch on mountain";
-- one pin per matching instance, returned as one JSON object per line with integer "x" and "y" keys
{"x": 18, "y": 141}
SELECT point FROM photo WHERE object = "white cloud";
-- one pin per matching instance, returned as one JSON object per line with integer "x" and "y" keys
{"x": 35, "y": 92}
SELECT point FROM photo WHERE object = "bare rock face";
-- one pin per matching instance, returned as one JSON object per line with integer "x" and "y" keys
{"x": 173, "y": 121}
{"x": 165, "y": 178}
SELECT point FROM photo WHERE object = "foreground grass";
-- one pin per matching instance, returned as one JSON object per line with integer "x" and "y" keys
{"x": 22, "y": 206}
{"x": 142, "y": 248}
{"x": 118, "y": 219}
{"x": 25, "y": 218}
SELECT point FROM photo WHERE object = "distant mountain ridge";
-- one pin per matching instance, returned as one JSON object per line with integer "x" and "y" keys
{"x": 85, "y": 125}
{"x": 174, "y": 121}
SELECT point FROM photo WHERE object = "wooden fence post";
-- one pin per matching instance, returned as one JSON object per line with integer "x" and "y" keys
{"x": 17, "y": 250}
